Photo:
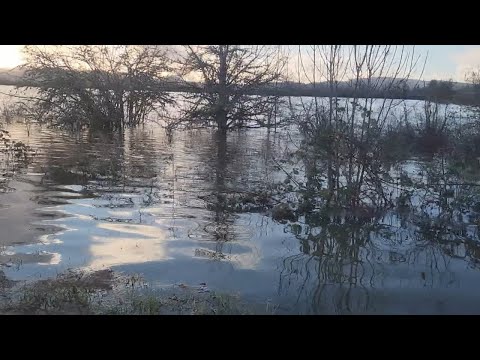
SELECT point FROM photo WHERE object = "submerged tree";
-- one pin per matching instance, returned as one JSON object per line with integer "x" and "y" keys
{"x": 473, "y": 77}
{"x": 95, "y": 85}
{"x": 230, "y": 83}
{"x": 342, "y": 148}
{"x": 440, "y": 91}
{"x": 435, "y": 116}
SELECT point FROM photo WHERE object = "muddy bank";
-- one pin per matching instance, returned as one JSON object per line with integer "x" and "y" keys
{"x": 104, "y": 292}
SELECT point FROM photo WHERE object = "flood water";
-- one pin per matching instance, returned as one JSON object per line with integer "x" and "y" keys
{"x": 142, "y": 203}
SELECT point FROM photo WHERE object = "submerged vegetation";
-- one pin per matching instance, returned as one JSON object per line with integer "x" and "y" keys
{"x": 230, "y": 77}
{"x": 96, "y": 86}
{"x": 14, "y": 155}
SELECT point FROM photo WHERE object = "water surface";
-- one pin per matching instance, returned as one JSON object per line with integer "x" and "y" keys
{"x": 140, "y": 202}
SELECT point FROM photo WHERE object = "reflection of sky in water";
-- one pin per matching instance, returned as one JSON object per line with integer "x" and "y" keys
{"x": 158, "y": 226}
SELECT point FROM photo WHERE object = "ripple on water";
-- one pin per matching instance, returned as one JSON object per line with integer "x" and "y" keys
{"x": 141, "y": 204}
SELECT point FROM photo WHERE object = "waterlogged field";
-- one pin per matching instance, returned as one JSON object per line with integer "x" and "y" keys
{"x": 190, "y": 210}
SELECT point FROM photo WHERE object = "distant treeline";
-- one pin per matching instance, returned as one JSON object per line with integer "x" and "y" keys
{"x": 440, "y": 91}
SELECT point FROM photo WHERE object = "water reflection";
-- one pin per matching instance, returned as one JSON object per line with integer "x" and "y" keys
{"x": 353, "y": 259}
{"x": 180, "y": 209}
{"x": 133, "y": 244}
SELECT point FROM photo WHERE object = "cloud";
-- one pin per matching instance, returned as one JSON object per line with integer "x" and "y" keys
{"x": 466, "y": 61}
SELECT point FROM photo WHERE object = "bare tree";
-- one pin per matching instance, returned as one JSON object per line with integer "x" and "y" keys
{"x": 473, "y": 77}
{"x": 105, "y": 86}
{"x": 342, "y": 134}
{"x": 436, "y": 117}
{"x": 228, "y": 85}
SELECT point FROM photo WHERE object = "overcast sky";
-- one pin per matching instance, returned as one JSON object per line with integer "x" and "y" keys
{"x": 443, "y": 62}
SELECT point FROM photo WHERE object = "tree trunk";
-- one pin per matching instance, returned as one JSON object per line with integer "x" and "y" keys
{"x": 222, "y": 90}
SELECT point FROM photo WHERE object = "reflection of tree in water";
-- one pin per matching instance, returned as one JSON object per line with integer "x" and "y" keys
{"x": 143, "y": 154}
{"x": 94, "y": 155}
{"x": 346, "y": 253}
{"x": 220, "y": 226}
{"x": 108, "y": 163}
{"x": 232, "y": 169}
{"x": 333, "y": 254}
